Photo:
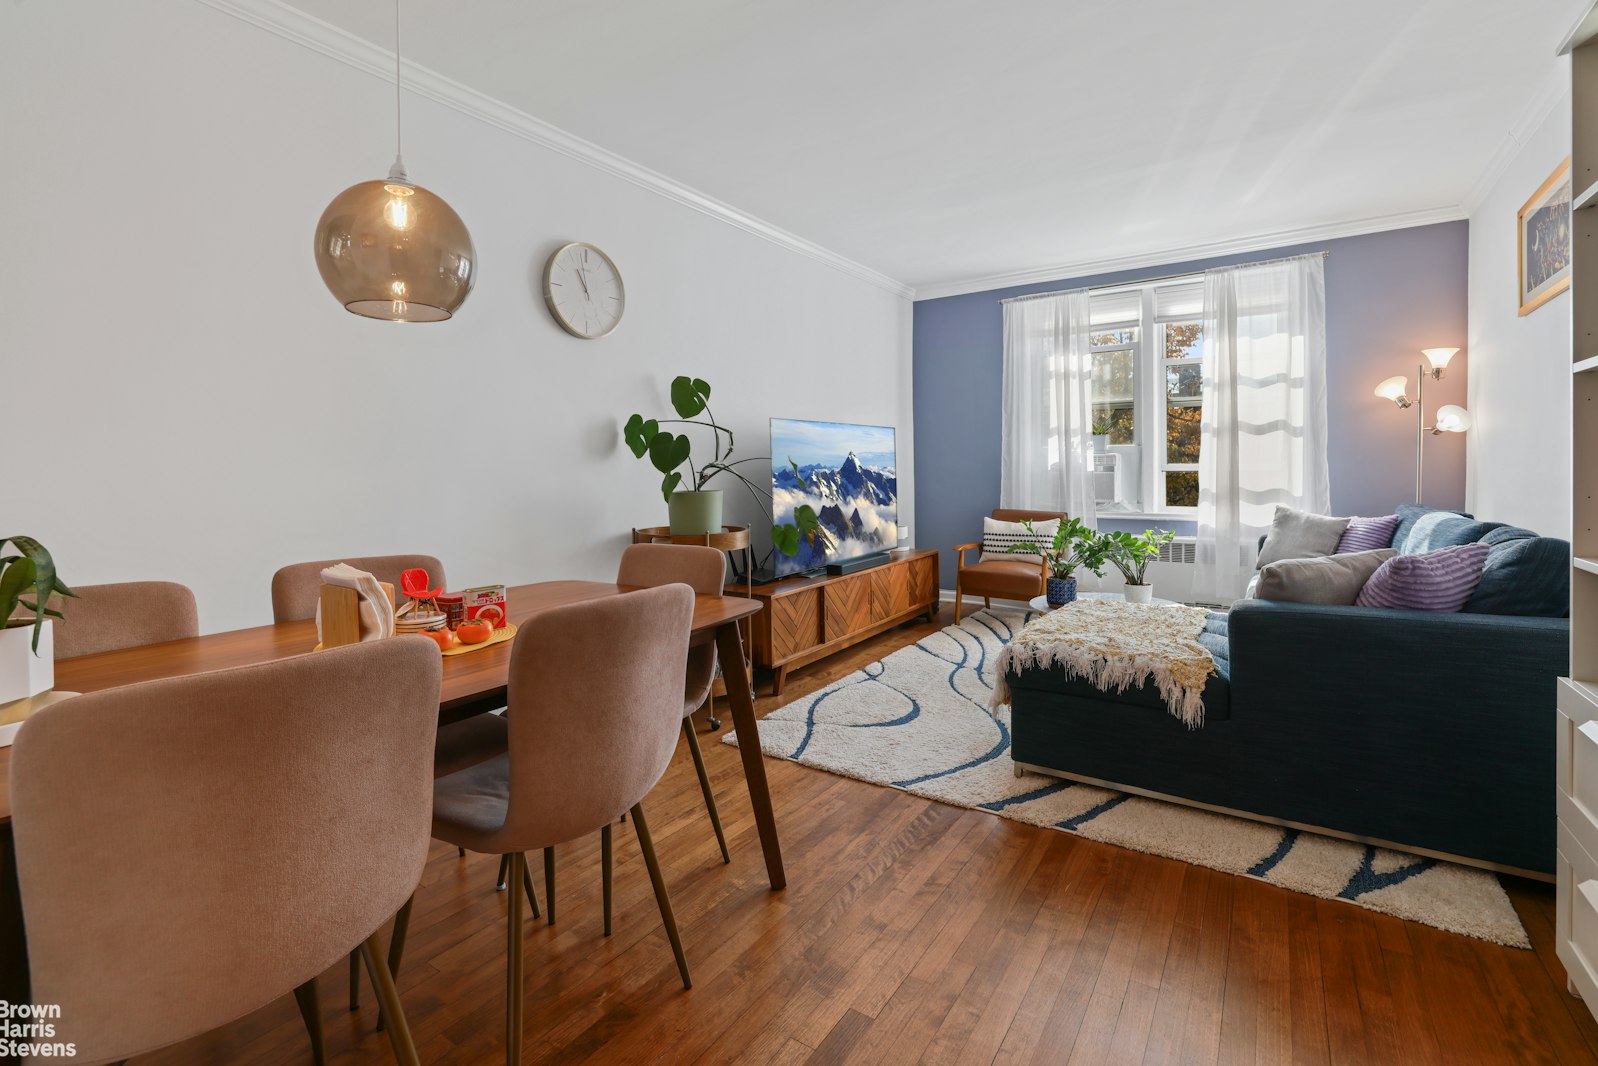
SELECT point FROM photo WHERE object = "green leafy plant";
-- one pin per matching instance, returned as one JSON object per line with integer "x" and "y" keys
{"x": 30, "y": 571}
{"x": 1131, "y": 553}
{"x": 1101, "y": 428}
{"x": 1074, "y": 547}
{"x": 669, "y": 452}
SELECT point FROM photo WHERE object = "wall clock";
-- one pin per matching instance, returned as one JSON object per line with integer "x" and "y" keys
{"x": 583, "y": 290}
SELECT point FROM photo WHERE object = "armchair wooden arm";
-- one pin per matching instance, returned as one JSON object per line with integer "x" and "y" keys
{"x": 960, "y": 550}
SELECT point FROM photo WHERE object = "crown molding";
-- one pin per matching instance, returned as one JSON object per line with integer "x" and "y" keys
{"x": 310, "y": 32}
{"x": 1192, "y": 252}
{"x": 1553, "y": 87}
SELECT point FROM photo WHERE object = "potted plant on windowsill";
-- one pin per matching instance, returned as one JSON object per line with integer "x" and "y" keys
{"x": 27, "y": 645}
{"x": 1101, "y": 435}
{"x": 1074, "y": 547}
{"x": 1131, "y": 553}
{"x": 697, "y": 510}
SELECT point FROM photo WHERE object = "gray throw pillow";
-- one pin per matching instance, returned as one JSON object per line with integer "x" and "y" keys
{"x": 1334, "y": 580}
{"x": 1300, "y": 535}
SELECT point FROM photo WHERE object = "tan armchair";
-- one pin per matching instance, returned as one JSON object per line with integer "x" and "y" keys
{"x": 1009, "y": 579}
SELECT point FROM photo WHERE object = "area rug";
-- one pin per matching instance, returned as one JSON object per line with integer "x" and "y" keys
{"x": 919, "y": 721}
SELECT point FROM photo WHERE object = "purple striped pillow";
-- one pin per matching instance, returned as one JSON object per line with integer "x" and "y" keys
{"x": 1435, "y": 581}
{"x": 1368, "y": 534}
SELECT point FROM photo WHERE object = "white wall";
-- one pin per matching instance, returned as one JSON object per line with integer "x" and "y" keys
{"x": 1518, "y": 464}
{"x": 186, "y": 401}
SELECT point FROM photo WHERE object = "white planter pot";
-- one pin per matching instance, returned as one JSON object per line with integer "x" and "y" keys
{"x": 1139, "y": 593}
{"x": 22, "y": 673}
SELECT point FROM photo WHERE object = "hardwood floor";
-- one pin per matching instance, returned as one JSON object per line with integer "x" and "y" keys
{"x": 915, "y": 932}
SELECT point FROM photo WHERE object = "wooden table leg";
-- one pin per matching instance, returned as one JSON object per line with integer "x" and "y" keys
{"x": 741, "y": 700}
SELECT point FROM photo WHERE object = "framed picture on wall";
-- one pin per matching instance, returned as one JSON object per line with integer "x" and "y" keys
{"x": 1543, "y": 235}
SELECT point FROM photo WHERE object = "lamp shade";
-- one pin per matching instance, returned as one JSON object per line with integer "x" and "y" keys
{"x": 393, "y": 250}
{"x": 1392, "y": 388}
{"x": 1453, "y": 419}
{"x": 1439, "y": 357}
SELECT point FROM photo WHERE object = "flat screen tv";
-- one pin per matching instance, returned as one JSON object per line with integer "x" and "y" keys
{"x": 848, "y": 475}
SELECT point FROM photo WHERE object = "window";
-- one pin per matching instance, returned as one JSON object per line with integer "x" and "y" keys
{"x": 1148, "y": 399}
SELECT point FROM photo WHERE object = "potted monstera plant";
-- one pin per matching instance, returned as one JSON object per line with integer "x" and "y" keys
{"x": 1074, "y": 547}
{"x": 27, "y": 647}
{"x": 693, "y": 507}
{"x": 1131, "y": 553}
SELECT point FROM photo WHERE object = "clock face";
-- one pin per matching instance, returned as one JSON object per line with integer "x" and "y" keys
{"x": 583, "y": 290}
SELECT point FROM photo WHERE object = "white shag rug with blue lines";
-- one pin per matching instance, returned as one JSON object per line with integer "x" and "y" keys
{"x": 919, "y": 721}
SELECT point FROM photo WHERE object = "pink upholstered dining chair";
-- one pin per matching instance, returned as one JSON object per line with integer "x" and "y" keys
{"x": 139, "y": 925}
{"x": 476, "y": 736}
{"x": 705, "y": 571}
{"x": 297, "y": 588}
{"x": 595, "y": 705}
{"x": 127, "y": 614}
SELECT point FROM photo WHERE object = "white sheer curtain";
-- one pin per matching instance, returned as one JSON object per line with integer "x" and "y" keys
{"x": 1046, "y": 442}
{"x": 1263, "y": 435}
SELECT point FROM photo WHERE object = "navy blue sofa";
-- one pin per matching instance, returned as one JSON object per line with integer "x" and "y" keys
{"x": 1431, "y": 732}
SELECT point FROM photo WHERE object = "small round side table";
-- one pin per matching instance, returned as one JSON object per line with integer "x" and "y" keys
{"x": 1041, "y": 603}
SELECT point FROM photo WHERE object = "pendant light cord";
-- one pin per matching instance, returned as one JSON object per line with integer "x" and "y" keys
{"x": 397, "y": 171}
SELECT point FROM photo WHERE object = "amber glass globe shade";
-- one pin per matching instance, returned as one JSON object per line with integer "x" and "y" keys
{"x": 392, "y": 250}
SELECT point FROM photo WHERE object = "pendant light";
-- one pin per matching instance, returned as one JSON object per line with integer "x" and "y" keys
{"x": 392, "y": 250}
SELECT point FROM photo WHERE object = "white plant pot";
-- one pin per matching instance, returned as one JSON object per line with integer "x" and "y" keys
{"x": 22, "y": 673}
{"x": 1139, "y": 593}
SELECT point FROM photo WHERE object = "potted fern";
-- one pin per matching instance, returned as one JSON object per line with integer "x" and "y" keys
{"x": 27, "y": 646}
{"x": 697, "y": 509}
{"x": 1075, "y": 547}
{"x": 1131, "y": 553}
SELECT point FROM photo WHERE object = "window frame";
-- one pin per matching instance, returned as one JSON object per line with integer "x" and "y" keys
{"x": 1150, "y": 420}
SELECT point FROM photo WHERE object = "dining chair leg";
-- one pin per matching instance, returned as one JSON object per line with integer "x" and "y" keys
{"x": 704, "y": 786}
{"x": 462, "y": 851}
{"x": 355, "y": 980}
{"x": 399, "y": 1032}
{"x": 605, "y": 864}
{"x": 647, "y": 846}
{"x": 310, "y": 1005}
{"x": 527, "y": 886}
{"x": 710, "y": 714}
{"x": 549, "y": 882}
{"x": 504, "y": 872}
{"x": 396, "y": 948}
{"x": 513, "y": 968}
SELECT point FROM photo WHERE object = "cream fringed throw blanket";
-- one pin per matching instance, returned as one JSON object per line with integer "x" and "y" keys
{"x": 1115, "y": 646}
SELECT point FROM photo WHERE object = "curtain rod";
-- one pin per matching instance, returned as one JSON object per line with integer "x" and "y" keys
{"x": 1150, "y": 281}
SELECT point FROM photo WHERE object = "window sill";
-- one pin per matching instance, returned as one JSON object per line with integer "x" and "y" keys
{"x": 1190, "y": 515}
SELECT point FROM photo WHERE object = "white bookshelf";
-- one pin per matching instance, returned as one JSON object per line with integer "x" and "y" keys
{"x": 1577, "y": 776}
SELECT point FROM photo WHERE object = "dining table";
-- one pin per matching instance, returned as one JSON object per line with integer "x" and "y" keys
{"x": 469, "y": 684}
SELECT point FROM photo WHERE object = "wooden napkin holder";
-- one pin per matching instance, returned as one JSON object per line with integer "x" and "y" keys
{"x": 341, "y": 614}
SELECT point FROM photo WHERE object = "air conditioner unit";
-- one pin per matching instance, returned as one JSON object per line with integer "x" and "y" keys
{"x": 1106, "y": 467}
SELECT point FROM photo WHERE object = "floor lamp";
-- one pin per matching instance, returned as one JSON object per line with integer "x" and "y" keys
{"x": 1450, "y": 417}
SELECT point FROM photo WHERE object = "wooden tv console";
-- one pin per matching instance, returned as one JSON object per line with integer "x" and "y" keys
{"x": 808, "y": 618}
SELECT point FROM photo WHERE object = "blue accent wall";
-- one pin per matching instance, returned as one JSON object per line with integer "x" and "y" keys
{"x": 1388, "y": 295}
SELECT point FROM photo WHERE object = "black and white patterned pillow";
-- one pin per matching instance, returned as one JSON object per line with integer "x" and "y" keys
{"x": 999, "y": 537}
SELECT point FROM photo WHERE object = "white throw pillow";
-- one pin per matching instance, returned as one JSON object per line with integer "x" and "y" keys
{"x": 997, "y": 538}
{"x": 1298, "y": 534}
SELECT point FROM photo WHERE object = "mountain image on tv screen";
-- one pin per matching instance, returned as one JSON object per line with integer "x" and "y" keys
{"x": 849, "y": 477}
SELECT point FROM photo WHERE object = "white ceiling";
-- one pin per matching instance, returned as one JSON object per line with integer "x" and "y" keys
{"x": 944, "y": 140}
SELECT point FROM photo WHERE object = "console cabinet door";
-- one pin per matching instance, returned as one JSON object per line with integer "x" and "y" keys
{"x": 795, "y": 623}
{"x": 890, "y": 591}
{"x": 923, "y": 580}
{"x": 848, "y": 606}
